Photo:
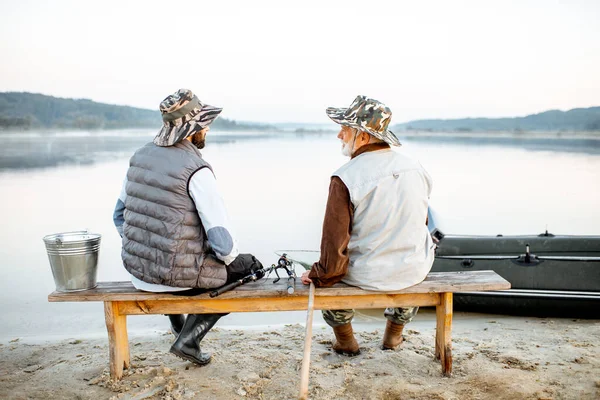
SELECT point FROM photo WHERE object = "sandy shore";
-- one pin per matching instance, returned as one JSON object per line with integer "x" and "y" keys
{"x": 495, "y": 357}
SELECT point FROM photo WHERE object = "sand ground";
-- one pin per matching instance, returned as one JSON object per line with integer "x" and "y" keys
{"x": 495, "y": 357}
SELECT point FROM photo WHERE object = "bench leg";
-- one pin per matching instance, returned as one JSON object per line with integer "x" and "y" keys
{"x": 118, "y": 344}
{"x": 443, "y": 339}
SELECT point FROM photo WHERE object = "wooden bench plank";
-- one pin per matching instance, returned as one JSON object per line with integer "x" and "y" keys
{"x": 218, "y": 305}
{"x": 436, "y": 282}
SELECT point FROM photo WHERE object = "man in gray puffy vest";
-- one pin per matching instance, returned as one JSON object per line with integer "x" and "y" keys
{"x": 176, "y": 233}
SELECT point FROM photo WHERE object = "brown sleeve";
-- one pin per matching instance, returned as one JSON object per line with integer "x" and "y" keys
{"x": 337, "y": 226}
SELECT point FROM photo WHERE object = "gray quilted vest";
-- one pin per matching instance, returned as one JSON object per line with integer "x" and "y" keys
{"x": 164, "y": 241}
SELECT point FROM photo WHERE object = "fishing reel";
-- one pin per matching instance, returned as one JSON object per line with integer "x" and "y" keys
{"x": 282, "y": 263}
{"x": 287, "y": 266}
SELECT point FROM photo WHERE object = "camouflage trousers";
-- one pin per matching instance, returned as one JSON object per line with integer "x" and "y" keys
{"x": 401, "y": 316}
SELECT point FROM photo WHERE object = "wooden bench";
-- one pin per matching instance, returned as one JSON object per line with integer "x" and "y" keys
{"x": 122, "y": 299}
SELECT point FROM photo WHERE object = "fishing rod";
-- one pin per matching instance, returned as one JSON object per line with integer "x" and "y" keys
{"x": 283, "y": 263}
{"x": 253, "y": 277}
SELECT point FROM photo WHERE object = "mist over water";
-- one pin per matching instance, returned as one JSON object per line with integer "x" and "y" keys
{"x": 275, "y": 187}
{"x": 31, "y": 150}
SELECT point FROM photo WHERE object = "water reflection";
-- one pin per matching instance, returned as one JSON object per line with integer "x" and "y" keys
{"x": 275, "y": 188}
{"x": 41, "y": 150}
{"x": 29, "y": 150}
{"x": 583, "y": 143}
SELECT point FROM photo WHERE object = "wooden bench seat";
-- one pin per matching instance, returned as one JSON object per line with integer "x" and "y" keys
{"x": 122, "y": 299}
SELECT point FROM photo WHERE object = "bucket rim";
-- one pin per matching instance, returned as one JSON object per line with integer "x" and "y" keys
{"x": 51, "y": 238}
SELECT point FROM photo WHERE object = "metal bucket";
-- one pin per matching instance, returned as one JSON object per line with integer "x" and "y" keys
{"x": 74, "y": 259}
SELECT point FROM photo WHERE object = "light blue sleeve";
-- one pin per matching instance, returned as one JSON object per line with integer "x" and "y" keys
{"x": 211, "y": 209}
{"x": 118, "y": 217}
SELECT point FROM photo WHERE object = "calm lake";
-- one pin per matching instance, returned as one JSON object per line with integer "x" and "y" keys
{"x": 275, "y": 187}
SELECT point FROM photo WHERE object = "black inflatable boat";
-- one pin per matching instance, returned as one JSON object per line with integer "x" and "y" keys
{"x": 551, "y": 275}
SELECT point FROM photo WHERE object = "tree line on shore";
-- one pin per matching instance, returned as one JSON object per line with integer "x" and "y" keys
{"x": 25, "y": 111}
{"x": 578, "y": 119}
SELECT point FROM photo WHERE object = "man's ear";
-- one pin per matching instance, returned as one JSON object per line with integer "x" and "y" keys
{"x": 365, "y": 137}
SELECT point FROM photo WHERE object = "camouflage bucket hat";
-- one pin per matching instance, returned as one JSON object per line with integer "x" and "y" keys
{"x": 183, "y": 115}
{"x": 367, "y": 115}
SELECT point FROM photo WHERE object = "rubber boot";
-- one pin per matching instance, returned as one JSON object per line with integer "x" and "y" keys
{"x": 177, "y": 321}
{"x": 345, "y": 342}
{"x": 392, "y": 337}
{"x": 187, "y": 345}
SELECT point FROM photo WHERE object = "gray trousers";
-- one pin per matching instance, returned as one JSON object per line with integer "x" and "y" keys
{"x": 401, "y": 316}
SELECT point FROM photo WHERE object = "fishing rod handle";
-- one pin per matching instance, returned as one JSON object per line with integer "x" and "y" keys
{"x": 226, "y": 288}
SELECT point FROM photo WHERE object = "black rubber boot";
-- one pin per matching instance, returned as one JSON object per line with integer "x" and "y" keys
{"x": 177, "y": 321}
{"x": 187, "y": 345}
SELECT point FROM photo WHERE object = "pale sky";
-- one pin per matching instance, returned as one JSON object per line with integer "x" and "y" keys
{"x": 277, "y": 61}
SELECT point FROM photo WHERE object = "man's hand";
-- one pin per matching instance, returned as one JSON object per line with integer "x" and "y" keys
{"x": 305, "y": 279}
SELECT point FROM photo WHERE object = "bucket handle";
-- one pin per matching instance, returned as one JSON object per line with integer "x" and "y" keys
{"x": 59, "y": 236}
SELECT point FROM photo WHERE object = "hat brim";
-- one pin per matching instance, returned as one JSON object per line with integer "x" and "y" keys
{"x": 338, "y": 115}
{"x": 172, "y": 133}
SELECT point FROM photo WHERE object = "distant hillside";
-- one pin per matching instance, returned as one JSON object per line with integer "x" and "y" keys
{"x": 26, "y": 111}
{"x": 578, "y": 119}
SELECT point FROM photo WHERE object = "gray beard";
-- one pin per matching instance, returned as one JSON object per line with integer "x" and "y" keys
{"x": 346, "y": 149}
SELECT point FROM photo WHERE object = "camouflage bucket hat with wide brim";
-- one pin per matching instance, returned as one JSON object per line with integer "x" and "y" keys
{"x": 183, "y": 115}
{"x": 366, "y": 115}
